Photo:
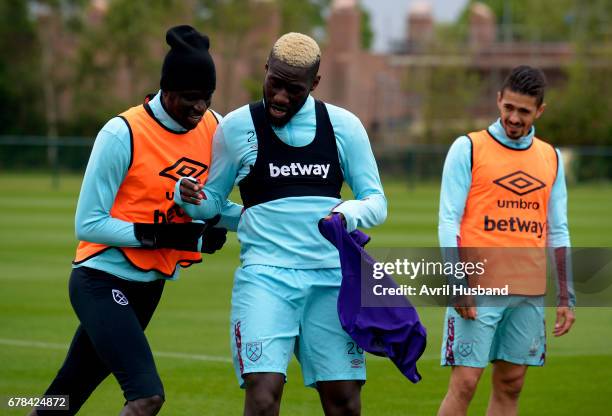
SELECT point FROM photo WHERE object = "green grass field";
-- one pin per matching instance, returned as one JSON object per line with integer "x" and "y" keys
{"x": 190, "y": 337}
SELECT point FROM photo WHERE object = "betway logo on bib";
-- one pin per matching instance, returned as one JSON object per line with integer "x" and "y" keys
{"x": 514, "y": 225}
{"x": 298, "y": 169}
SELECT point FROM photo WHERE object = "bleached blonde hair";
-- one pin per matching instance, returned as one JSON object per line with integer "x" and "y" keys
{"x": 296, "y": 49}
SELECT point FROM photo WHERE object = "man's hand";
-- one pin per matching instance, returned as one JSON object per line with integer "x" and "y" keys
{"x": 191, "y": 191}
{"x": 565, "y": 320}
{"x": 466, "y": 307}
{"x": 178, "y": 236}
{"x": 329, "y": 217}
{"x": 213, "y": 238}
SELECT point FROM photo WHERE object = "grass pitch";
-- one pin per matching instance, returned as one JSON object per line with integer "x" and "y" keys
{"x": 190, "y": 336}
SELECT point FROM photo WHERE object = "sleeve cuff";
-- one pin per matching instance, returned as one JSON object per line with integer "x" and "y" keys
{"x": 177, "y": 192}
{"x": 351, "y": 221}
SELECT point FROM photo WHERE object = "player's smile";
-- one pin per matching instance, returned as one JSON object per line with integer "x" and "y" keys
{"x": 196, "y": 117}
{"x": 187, "y": 107}
{"x": 518, "y": 112}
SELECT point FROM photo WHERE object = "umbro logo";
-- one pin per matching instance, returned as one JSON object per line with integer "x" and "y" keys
{"x": 119, "y": 297}
{"x": 520, "y": 183}
{"x": 184, "y": 167}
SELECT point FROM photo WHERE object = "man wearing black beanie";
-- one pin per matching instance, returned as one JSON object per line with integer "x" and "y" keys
{"x": 188, "y": 65}
{"x": 133, "y": 237}
{"x": 188, "y": 77}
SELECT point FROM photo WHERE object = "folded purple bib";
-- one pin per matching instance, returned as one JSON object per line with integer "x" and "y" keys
{"x": 389, "y": 331}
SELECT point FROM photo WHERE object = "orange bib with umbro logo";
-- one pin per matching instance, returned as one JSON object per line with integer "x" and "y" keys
{"x": 507, "y": 207}
{"x": 159, "y": 158}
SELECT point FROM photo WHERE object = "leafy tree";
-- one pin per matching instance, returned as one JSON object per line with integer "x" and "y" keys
{"x": 228, "y": 23}
{"x": 446, "y": 94}
{"x": 20, "y": 75}
{"x": 241, "y": 34}
{"x": 578, "y": 111}
{"x": 302, "y": 16}
{"x": 533, "y": 20}
{"x": 365, "y": 29}
{"x": 126, "y": 49}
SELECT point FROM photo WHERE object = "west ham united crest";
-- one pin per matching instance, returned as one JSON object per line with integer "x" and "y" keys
{"x": 253, "y": 350}
{"x": 119, "y": 297}
{"x": 533, "y": 348}
{"x": 464, "y": 348}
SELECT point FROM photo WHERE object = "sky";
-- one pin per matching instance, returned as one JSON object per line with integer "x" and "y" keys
{"x": 388, "y": 17}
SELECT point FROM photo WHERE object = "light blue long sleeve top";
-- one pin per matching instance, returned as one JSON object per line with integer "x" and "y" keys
{"x": 284, "y": 232}
{"x": 107, "y": 167}
{"x": 457, "y": 180}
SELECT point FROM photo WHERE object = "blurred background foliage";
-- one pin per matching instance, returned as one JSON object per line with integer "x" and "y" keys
{"x": 579, "y": 111}
{"x": 61, "y": 60}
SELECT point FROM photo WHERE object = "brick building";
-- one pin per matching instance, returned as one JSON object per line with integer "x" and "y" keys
{"x": 371, "y": 85}
{"x": 374, "y": 86}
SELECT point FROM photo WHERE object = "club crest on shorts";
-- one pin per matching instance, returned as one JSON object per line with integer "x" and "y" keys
{"x": 464, "y": 348}
{"x": 119, "y": 297}
{"x": 533, "y": 348}
{"x": 253, "y": 350}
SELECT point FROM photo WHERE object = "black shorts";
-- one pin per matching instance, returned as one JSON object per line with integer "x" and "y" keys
{"x": 110, "y": 339}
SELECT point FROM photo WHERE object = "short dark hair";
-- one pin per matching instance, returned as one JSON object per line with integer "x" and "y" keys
{"x": 526, "y": 80}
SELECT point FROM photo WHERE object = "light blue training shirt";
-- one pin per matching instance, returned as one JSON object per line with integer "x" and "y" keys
{"x": 284, "y": 232}
{"x": 107, "y": 167}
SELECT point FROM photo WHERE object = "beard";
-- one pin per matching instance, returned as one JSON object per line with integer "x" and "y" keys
{"x": 291, "y": 110}
{"x": 513, "y": 132}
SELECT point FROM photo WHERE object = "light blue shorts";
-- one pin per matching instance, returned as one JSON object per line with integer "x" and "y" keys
{"x": 513, "y": 331}
{"x": 277, "y": 312}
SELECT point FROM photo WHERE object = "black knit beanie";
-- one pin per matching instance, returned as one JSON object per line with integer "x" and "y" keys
{"x": 188, "y": 65}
